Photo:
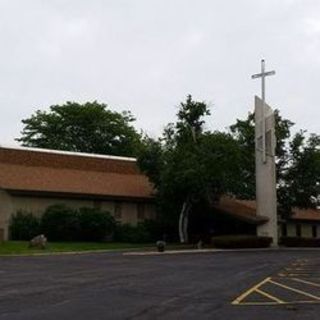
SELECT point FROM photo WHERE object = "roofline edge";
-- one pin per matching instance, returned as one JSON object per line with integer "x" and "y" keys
{"x": 68, "y": 153}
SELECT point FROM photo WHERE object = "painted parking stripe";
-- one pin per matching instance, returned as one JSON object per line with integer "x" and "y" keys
{"x": 299, "y": 269}
{"x": 249, "y": 291}
{"x": 303, "y": 272}
{"x": 295, "y": 290}
{"x": 253, "y": 303}
{"x": 306, "y": 282}
{"x": 296, "y": 275}
{"x": 269, "y": 296}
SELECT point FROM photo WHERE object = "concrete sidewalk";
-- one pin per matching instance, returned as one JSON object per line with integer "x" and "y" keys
{"x": 188, "y": 251}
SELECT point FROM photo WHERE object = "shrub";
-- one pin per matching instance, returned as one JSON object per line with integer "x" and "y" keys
{"x": 153, "y": 229}
{"x": 299, "y": 242}
{"x": 241, "y": 241}
{"x": 24, "y": 226}
{"x": 60, "y": 223}
{"x": 129, "y": 233}
{"x": 147, "y": 231}
{"x": 95, "y": 225}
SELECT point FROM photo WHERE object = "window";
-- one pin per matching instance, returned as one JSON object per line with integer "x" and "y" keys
{"x": 284, "y": 231}
{"x": 118, "y": 210}
{"x": 298, "y": 230}
{"x": 314, "y": 231}
{"x": 141, "y": 211}
{"x": 97, "y": 204}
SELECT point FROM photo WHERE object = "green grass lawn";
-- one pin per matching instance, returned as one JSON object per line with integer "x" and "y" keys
{"x": 22, "y": 247}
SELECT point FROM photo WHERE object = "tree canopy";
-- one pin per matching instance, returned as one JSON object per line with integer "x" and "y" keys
{"x": 90, "y": 127}
{"x": 301, "y": 178}
{"x": 297, "y": 163}
{"x": 189, "y": 165}
{"x": 244, "y": 133}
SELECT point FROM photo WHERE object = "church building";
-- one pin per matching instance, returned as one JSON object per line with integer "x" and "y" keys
{"x": 33, "y": 179}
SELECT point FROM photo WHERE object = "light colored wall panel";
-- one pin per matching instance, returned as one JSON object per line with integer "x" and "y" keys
{"x": 150, "y": 211}
{"x": 11, "y": 204}
{"x": 306, "y": 230}
{"x": 108, "y": 206}
{"x": 291, "y": 229}
{"x": 6, "y": 209}
{"x": 129, "y": 213}
{"x": 38, "y": 205}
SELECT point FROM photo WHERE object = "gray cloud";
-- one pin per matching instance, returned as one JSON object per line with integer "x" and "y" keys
{"x": 146, "y": 55}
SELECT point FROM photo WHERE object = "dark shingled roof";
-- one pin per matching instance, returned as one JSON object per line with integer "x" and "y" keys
{"x": 308, "y": 214}
{"x": 246, "y": 210}
{"x": 32, "y": 170}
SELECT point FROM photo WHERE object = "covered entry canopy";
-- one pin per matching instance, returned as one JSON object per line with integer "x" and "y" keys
{"x": 243, "y": 210}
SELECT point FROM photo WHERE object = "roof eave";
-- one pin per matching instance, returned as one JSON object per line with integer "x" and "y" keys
{"x": 75, "y": 195}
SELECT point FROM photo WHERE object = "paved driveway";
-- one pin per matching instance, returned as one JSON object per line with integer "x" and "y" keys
{"x": 184, "y": 286}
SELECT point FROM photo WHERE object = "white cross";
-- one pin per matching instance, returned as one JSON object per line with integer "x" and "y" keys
{"x": 262, "y": 75}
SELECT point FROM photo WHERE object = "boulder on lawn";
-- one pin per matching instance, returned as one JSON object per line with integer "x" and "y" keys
{"x": 39, "y": 241}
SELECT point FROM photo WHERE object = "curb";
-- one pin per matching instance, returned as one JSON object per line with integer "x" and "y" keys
{"x": 138, "y": 252}
{"x": 192, "y": 251}
{"x": 66, "y": 253}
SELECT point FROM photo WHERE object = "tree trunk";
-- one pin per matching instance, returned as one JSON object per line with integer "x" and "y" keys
{"x": 183, "y": 222}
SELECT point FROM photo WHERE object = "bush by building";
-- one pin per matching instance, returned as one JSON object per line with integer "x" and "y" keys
{"x": 299, "y": 242}
{"x": 60, "y": 223}
{"x": 95, "y": 225}
{"x": 24, "y": 226}
{"x": 241, "y": 241}
{"x": 143, "y": 232}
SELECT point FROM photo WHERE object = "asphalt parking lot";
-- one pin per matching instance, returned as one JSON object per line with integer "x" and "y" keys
{"x": 296, "y": 283}
{"x": 229, "y": 285}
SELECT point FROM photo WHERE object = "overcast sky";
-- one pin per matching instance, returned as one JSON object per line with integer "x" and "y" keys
{"x": 147, "y": 55}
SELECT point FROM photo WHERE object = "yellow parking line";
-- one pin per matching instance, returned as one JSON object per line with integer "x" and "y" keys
{"x": 299, "y": 264}
{"x": 280, "y": 274}
{"x": 295, "y": 290}
{"x": 307, "y": 275}
{"x": 303, "y": 274}
{"x": 306, "y": 272}
{"x": 306, "y": 282}
{"x": 267, "y": 295}
{"x": 315, "y": 272}
{"x": 300, "y": 269}
{"x": 275, "y": 303}
{"x": 252, "y": 289}
{"x": 260, "y": 303}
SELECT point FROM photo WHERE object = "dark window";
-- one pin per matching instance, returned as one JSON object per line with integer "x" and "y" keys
{"x": 97, "y": 204}
{"x": 298, "y": 230}
{"x": 141, "y": 211}
{"x": 284, "y": 231}
{"x": 118, "y": 210}
{"x": 314, "y": 231}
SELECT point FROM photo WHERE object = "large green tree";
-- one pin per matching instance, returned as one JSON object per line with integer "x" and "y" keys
{"x": 243, "y": 132}
{"x": 301, "y": 179}
{"x": 297, "y": 163}
{"x": 189, "y": 165}
{"x": 90, "y": 127}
